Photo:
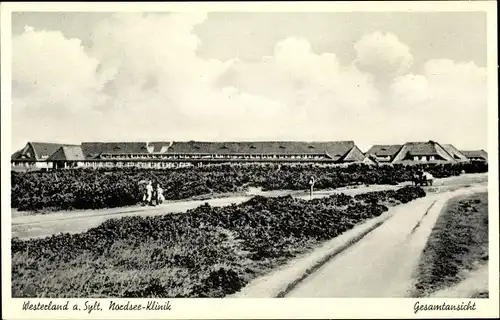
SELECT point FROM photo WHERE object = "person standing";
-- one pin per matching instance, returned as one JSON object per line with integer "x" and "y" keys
{"x": 429, "y": 178}
{"x": 149, "y": 193}
{"x": 154, "y": 202}
{"x": 144, "y": 194}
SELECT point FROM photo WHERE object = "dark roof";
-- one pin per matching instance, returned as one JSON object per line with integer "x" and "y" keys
{"x": 383, "y": 150}
{"x": 475, "y": 154}
{"x": 370, "y": 158}
{"x": 421, "y": 148}
{"x": 354, "y": 155}
{"x": 335, "y": 149}
{"x": 16, "y": 154}
{"x": 92, "y": 149}
{"x": 454, "y": 152}
{"x": 42, "y": 151}
{"x": 429, "y": 148}
{"x": 67, "y": 153}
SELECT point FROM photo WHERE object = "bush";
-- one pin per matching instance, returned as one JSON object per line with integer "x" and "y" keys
{"x": 116, "y": 187}
{"x": 206, "y": 252}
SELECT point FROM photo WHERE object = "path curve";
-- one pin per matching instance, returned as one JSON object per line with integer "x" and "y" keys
{"x": 382, "y": 264}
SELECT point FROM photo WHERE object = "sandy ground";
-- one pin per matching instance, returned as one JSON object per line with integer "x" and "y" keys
{"x": 383, "y": 262}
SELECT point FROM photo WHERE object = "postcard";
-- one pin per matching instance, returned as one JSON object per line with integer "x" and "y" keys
{"x": 249, "y": 160}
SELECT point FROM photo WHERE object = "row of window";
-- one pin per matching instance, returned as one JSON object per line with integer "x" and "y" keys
{"x": 104, "y": 164}
{"x": 166, "y": 165}
{"x": 137, "y": 164}
{"x": 215, "y": 156}
{"x": 25, "y": 164}
{"x": 424, "y": 158}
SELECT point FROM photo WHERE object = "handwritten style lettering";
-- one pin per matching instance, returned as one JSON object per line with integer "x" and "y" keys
{"x": 444, "y": 307}
{"x": 45, "y": 306}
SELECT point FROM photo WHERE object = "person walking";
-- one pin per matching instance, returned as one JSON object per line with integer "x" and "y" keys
{"x": 159, "y": 194}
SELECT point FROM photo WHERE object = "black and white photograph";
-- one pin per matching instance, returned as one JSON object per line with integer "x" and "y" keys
{"x": 164, "y": 154}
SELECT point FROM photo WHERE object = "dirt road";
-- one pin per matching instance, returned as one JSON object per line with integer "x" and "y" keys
{"x": 35, "y": 226}
{"x": 382, "y": 264}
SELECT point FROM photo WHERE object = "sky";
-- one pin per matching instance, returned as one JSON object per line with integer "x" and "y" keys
{"x": 375, "y": 78}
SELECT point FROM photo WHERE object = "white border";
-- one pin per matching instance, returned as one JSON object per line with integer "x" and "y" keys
{"x": 260, "y": 308}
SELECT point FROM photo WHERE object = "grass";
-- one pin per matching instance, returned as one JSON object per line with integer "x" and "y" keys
{"x": 457, "y": 245}
{"x": 147, "y": 268}
{"x": 480, "y": 295}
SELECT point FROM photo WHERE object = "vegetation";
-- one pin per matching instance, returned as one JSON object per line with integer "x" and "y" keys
{"x": 458, "y": 244}
{"x": 106, "y": 188}
{"x": 206, "y": 252}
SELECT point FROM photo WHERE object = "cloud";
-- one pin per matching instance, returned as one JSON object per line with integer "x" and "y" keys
{"x": 48, "y": 65}
{"x": 54, "y": 82}
{"x": 159, "y": 85}
{"x": 448, "y": 102}
{"x": 314, "y": 86}
{"x": 462, "y": 83}
{"x": 383, "y": 54}
{"x": 410, "y": 90}
{"x": 142, "y": 79}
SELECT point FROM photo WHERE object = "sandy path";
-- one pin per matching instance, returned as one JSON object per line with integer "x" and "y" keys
{"x": 35, "y": 226}
{"x": 382, "y": 264}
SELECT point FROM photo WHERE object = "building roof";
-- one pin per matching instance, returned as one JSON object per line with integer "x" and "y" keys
{"x": 16, "y": 155}
{"x": 93, "y": 149}
{"x": 422, "y": 148}
{"x": 370, "y": 159}
{"x": 454, "y": 152}
{"x": 384, "y": 150}
{"x": 41, "y": 151}
{"x": 475, "y": 154}
{"x": 89, "y": 150}
{"x": 429, "y": 148}
{"x": 67, "y": 153}
{"x": 334, "y": 149}
{"x": 354, "y": 155}
{"x": 44, "y": 150}
{"x": 159, "y": 146}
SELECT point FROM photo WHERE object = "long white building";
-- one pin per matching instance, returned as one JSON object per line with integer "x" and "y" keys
{"x": 165, "y": 154}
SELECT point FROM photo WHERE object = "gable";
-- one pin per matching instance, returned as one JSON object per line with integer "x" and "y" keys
{"x": 67, "y": 153}
{"x": 423, "y": 149}
{"x": 454, "y": 152}
{"x": 25, "y": 154}
{"x": 369, "y": 160}
{"x": 44, "y": 150}
{"x": 354, "y": 155}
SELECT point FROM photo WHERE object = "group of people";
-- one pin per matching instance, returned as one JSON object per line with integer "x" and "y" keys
{"x": 152, "y": 194}
{"x": 422, "y": 175}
